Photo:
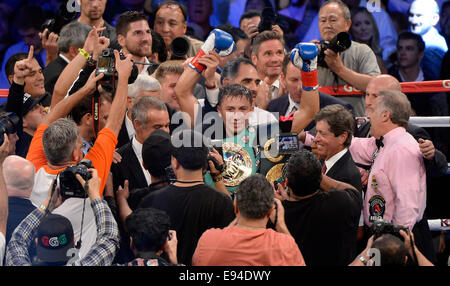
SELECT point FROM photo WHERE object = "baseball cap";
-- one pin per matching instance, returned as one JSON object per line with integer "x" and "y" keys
{"x": 55, "y": 238}
{"x": 157, "y": 150}
{"x": 30, "y": 102}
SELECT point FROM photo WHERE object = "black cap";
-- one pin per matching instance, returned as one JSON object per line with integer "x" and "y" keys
{"x": 30, "y": 102}
{"x": 55, "y": 238}
{"x": 157, "y": 150}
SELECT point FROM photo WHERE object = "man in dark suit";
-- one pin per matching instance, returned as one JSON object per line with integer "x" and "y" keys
{"x": 290, "y": 102}
{"x": 334, "y": 126}
{"x": 71, "y": 38}
{"x": 148, "y": 114}
{"x": 18, "y": 174}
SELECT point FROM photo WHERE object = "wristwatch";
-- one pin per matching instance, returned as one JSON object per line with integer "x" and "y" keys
{"x": 362, "y": 259}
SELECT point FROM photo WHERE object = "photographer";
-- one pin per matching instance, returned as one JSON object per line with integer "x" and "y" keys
{"x": 355, "y": 66}
{"x": 247, "y": 241}
{"x": 322, "y": 214}
{"x": 393, "y": 250}
{"x": 150, "y": 237}
{"x": 192, "y": 205}
{"x": 55, "y": 235}
{"x": 57, "y": 143}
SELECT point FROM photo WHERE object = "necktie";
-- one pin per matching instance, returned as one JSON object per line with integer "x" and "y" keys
{"x": 324, "y": 168}
{"x": 272, "y": 92}
{"x": 379, "y": 142}
{"x": 294, "y": 109}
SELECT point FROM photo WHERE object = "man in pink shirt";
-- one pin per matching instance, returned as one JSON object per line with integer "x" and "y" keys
{"x": 396, "y": 188}
{"x": 247, "y": 241}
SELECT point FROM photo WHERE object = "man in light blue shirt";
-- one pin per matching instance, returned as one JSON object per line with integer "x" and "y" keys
{"x": 423, "y": 15}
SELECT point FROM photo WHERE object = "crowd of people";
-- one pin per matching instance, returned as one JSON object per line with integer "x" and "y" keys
{"x": 193, "y": 133}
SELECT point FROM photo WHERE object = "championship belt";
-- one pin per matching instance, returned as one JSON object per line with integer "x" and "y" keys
{"x": 270, "y": 151}
{"x": 276, "y": 174}
{"x": 238, "y": 164}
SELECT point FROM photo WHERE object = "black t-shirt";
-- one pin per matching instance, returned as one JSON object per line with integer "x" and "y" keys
{"x": 192, "y": 211}
{"x": 325, "y": 226}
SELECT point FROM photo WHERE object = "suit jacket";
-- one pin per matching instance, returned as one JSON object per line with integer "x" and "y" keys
{"x": 345, "y": 170}
{"x": 18, "y": 209}
{"x": 128, "y": 169}
{"x": 51, "y": 73}
{"x": 123, "y": 137}
{"x": 281, "y": 105}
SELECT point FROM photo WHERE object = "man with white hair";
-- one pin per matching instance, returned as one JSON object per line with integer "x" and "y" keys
{"x": 143, "y": 86}
{"x": 18, "y": 175}
{"x": 423, "y": 15}
{"x": 147, "y": 114}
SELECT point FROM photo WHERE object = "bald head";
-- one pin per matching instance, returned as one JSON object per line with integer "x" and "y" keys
{"x": 19, "y": 176}
{"x": 379, "y": 83}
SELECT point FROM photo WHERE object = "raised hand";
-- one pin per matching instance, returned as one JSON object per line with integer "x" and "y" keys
{"x": 219, "y": 41}
{"x": 23, "y": 68}
{"x": 304, "y": 57}
{"x": 123, "y": 67}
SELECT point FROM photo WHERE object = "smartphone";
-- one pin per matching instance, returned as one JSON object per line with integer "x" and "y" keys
{"x": 287, "y": 143}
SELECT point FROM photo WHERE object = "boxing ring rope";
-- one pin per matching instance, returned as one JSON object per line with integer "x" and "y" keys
{"x": 407, "y": 87}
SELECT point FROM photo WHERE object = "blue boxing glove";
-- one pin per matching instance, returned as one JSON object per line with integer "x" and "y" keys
{"x": 219, "y": 41}
{"x": 304, "y": 57}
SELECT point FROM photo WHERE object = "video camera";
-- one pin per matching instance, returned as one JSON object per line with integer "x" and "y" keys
{"x": 63, "y": 17}
{"x": 69, "y": 185}
{"x": 380, "y": 227}
{"x": 9, "y": 123}
{"x": 106, "y": 64}
{"x": 339, "y": 43}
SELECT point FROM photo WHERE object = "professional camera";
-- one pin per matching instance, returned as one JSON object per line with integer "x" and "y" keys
{"x": 63, "y": 17}
{"x": 106, "y": 64}
{"x": 9, "y": 122}
{"x": 179, "y": 48}
{"x": 339, "y": 43}
{"x": 69, "y": 185}
{"x": 380, "y": 227}
{"x": 268, "y": 19}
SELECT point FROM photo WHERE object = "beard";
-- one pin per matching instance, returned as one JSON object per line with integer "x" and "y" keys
{"x": 140, "y": 51}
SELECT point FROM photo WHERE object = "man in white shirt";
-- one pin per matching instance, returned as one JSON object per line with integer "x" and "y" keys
{"x": 243, "y": 71}
{"x": 335, "y": 125}
{"x": 268, "y": 55}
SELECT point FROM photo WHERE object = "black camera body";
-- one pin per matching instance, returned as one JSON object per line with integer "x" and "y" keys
{"x": 9, "y": 123}
{"x": 106, "y": 64}
{"x": 69, "y": 186}
{"x": 380, "y": 227}
{"x": 63, "y": 17}
{"x": 339, "y": 43}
